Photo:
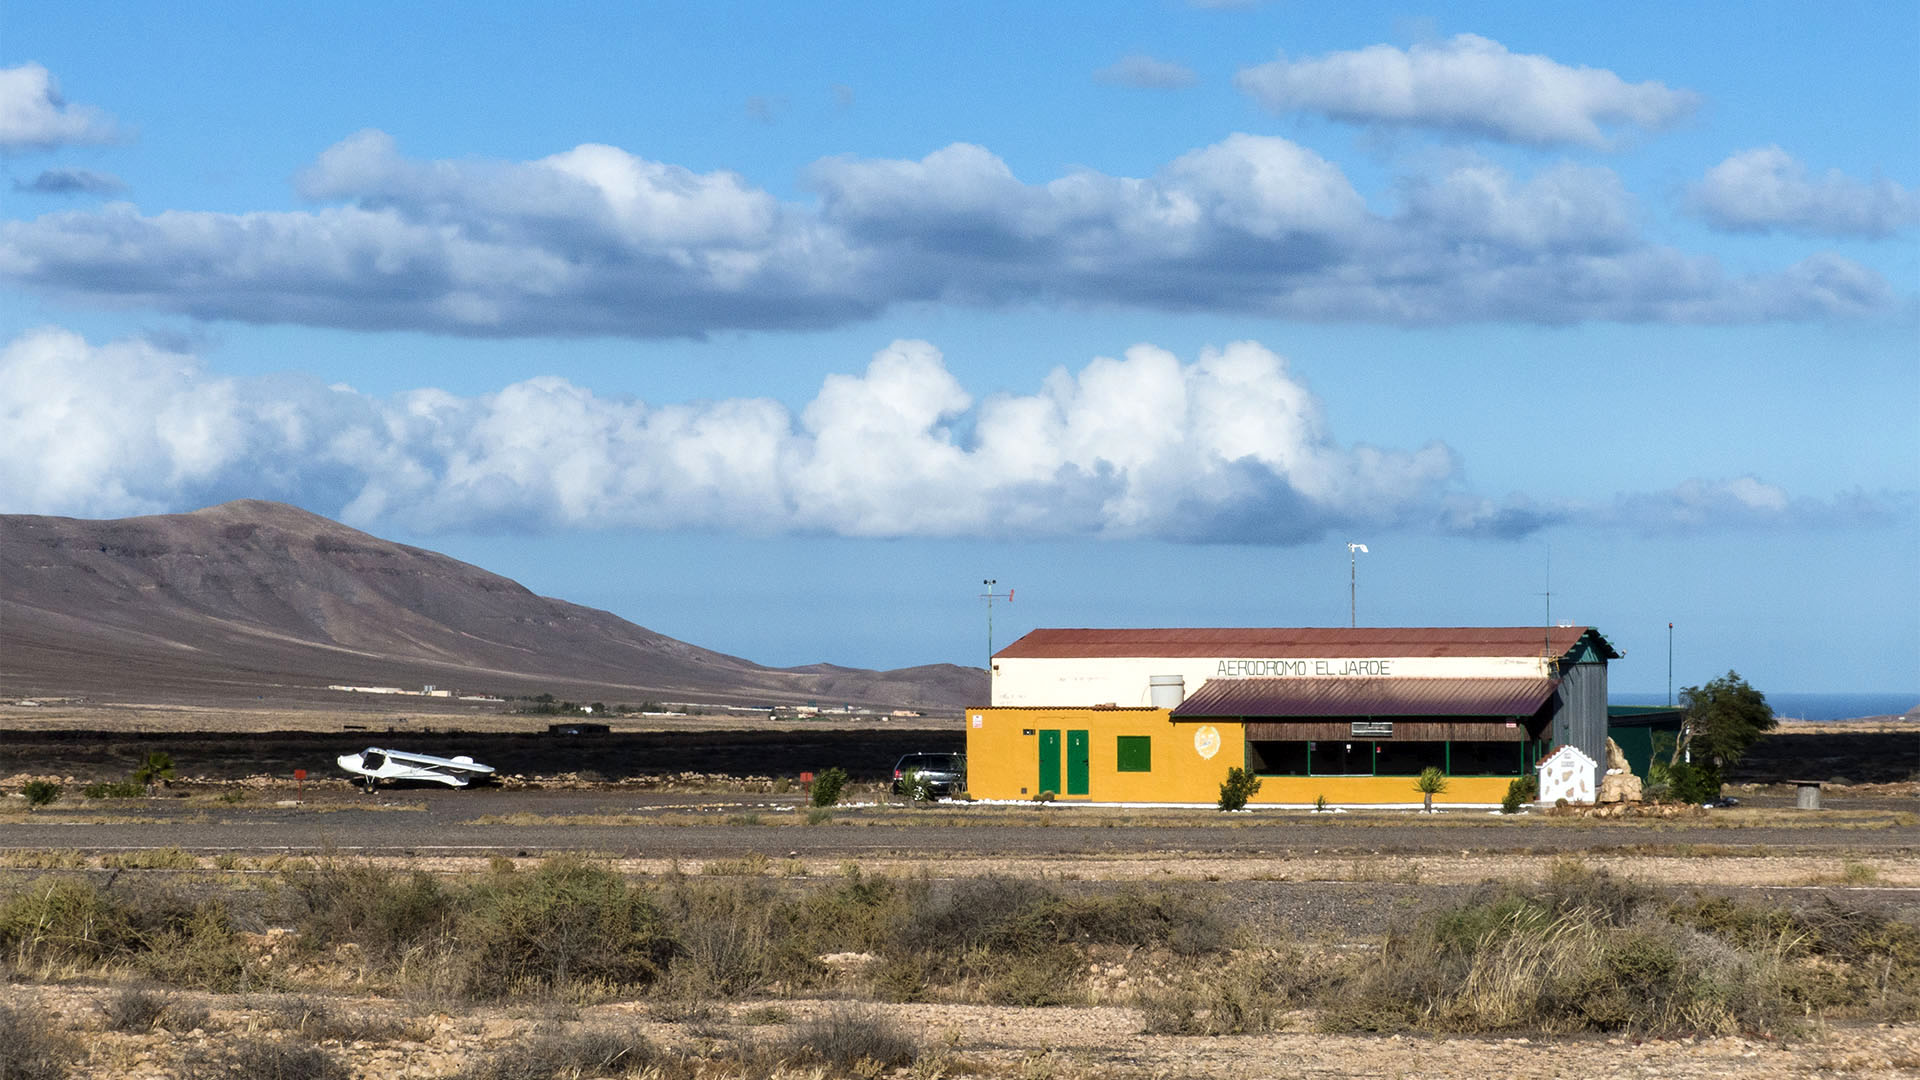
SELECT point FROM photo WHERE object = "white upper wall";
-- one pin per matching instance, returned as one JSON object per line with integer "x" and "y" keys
{"x": 1082, "y": 681}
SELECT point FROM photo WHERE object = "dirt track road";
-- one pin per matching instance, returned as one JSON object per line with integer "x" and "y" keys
{"x": 674, "y": 825}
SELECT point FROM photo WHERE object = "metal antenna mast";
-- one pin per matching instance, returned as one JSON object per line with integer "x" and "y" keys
{"x": 990, "y": 596}
{"x": 1353, "y": 583}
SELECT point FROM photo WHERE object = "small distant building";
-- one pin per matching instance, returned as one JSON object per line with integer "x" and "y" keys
{"x": 1351, "y": 715}
{"x": 1645, "y": 733}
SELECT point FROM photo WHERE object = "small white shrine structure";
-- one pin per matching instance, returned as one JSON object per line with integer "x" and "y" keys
{"x": 1567, "y": 774}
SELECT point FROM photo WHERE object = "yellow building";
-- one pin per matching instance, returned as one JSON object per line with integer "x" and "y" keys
{"x": 1351, "y": 716}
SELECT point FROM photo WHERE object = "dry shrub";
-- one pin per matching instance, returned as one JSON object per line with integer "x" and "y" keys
{"x": 1246, "y": 996}
{"x": 55, "y": 919}
{"x": 1018, "y": 915}
{"x": 260, "y": 1058}
{"x": 1836, "y": 960}
{"x": 324, "y": 1022}
{"x": 726, "y": 944}
{"x": 592, "y": 1052}
{"x": 570, "y": 922}
{"x": 858, "y": 1039}
{"x": 39, "y": 859}
{"x": 1586, "y": 953}
{"x": 388, "y": 914}
{"x": 170, "y": 858}
{"x": 196, "y": 947}
{"x": 31, "y": 1047}
{"x": 160, "y": 931}
{"x": 1047, "y": 976}
{"x": 133, "y": 1010}
{"x": 1020, "y": 942}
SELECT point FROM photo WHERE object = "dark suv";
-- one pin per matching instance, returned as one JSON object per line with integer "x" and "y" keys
{"x": 940, "y": 775}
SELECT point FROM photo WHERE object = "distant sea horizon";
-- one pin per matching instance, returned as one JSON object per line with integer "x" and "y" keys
{"x": 1807, "y": 706}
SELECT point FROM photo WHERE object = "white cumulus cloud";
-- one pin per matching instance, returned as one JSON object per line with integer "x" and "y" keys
{"x": 1467, "y": 83}
{"x": 1226, "y": 447}
{"x": 33, "y": 115}
{"x": 596, "y": 240}
{"x": 1767, "y": 188}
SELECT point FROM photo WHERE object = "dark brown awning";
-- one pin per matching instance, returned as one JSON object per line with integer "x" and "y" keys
{"x": 1345, "y": 697}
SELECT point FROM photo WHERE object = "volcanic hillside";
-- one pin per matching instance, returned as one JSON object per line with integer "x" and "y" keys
{"x": 261, "y": 601}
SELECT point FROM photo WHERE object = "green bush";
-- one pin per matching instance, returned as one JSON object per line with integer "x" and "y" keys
{"x": 1431, "y": 782}
{"x": 40, "y": 792}
{"x": 1240, "y": 786}
{"x": 828, "y": 785}
{"x": 1520, "y": 792}
{"x": 1693, "y": 782}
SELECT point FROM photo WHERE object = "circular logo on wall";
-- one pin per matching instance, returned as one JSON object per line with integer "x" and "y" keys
{"x": 1206, "y": 741}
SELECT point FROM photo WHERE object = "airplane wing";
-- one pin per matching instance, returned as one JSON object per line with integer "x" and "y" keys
{"x": 461, "y": 763}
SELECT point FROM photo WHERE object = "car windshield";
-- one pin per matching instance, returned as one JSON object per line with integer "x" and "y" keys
{"x": 940, "y": 762}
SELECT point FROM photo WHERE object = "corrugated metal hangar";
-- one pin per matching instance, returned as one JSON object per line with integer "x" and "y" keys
{"x": 1351, "y": 715}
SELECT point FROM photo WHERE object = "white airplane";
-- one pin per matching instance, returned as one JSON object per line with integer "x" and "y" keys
{"x": 376, "y": 765}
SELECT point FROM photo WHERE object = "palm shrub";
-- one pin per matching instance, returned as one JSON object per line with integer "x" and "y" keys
{"x": 1240, "y": 786}
{"x": 154, "y": 770}
{"x": 1431, "y": 782}
{"x": 40, "y": 792}
{"x": 914, "y": 785}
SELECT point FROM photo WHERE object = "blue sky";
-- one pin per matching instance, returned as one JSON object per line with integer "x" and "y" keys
{"x": 778, "y": 329}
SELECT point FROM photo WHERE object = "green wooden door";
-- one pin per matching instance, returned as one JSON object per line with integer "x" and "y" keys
{"x": 1079, "y": 753}
{"x": 1049, "y": 762}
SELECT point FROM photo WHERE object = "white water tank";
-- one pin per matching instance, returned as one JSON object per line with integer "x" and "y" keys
{"x": 1166, "y": 691}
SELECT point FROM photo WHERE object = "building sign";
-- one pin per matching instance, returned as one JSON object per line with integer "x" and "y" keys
{"x": 1255, "y": 669}
{"x": 1206, "y": 741}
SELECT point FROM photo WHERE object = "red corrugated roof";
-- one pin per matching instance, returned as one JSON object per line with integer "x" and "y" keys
{"x": 1309, "y": 641}
{"x": 1361, "y": 696}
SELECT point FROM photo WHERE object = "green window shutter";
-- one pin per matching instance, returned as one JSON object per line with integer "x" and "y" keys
{"x": 1136, "y": 753}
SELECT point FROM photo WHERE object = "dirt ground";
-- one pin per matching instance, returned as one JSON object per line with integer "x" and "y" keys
{"x": 1339, "y": 880}
{"x": 1091, "y": 1042}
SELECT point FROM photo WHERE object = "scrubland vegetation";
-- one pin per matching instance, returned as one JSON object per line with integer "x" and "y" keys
{"x": 720, "y": 956}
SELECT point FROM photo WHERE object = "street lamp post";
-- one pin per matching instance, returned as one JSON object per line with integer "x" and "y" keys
{"x": 1353, "y": 583}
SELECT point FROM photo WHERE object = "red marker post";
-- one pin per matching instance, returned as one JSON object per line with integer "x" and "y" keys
{"x": 300, "y": 784}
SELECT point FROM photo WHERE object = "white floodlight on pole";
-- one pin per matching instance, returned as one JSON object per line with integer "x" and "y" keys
{"x": 1353, "y": 583}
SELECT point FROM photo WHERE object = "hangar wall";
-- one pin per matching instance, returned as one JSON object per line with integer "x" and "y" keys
{"x": 1015, "y": 754}
{"x": 1161, "y": 715}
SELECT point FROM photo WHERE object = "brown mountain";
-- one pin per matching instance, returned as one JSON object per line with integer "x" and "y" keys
{"x": 252, "y": 600}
